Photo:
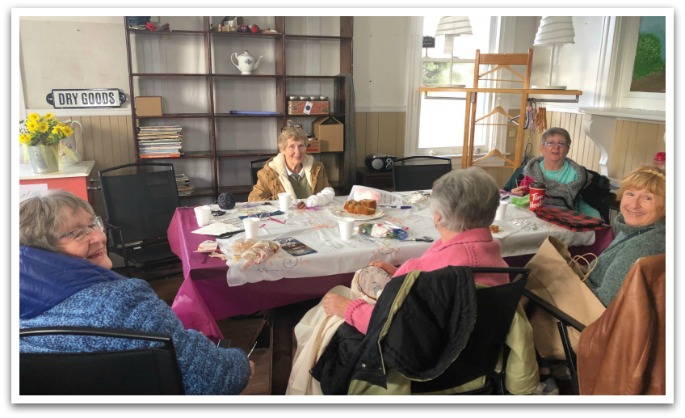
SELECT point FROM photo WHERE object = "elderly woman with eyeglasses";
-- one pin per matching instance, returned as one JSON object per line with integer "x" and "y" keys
{"x": 563, "y": 177}
{"x": 65, "y": 279}
{"x": 293, "y": 171}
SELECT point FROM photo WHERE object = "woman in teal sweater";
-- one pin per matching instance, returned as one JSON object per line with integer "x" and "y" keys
{"x": 640, "y": 230}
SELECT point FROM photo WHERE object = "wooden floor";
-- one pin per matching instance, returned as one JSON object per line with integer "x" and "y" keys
{"x": 242, "y": 333}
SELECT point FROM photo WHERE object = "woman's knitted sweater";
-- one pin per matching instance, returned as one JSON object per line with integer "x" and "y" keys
{"x": 60, "y": 290}
{"x": 629, "y": 244}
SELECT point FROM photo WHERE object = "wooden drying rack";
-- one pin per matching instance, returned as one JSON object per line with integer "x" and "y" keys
{"x": 471, "y": 100}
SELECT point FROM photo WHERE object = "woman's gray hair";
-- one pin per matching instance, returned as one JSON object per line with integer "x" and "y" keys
{"x": 466, "y": 199}
{"x": 288, "y": 132}
{"x": 42, "y": 217}
{"x": 556, "y": 131}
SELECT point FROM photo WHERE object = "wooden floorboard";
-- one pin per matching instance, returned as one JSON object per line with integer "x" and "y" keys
{"x": 242, "y": 333}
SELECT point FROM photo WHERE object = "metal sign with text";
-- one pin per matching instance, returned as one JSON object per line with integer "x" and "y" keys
{"x": 85, "y": 98}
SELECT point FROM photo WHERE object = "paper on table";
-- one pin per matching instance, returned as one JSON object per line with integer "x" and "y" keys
{"x": 216, "y": 228}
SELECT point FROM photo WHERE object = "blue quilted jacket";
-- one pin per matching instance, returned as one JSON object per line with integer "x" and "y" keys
{"x": 59, "y": 290}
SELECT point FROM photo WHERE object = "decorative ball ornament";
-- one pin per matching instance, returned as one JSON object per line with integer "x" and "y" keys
{"x": 254, "y": 29}
{"x": 226, "y": 201}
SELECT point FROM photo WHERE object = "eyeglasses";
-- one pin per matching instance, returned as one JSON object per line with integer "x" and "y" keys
{"x": 80, "y": 233}
{"x": 550, "y": 144}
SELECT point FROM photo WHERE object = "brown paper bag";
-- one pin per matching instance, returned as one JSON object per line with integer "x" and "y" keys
{"x": 557, "y": 278}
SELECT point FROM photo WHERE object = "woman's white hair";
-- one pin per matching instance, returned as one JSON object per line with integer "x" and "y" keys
{"x": 466, "y": 199}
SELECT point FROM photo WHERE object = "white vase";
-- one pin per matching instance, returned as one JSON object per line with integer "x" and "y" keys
{"x": 43, "y": 158}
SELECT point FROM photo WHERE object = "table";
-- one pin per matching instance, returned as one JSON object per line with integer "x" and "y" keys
{"x": 72, "y": 178}
{"x": 206, "y": 296}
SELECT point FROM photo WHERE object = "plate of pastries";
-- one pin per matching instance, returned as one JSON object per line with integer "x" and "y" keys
{"x": 364, "y": 209}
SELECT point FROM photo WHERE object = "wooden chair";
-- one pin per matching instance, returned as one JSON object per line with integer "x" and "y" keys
{"x": 501, "y": 73}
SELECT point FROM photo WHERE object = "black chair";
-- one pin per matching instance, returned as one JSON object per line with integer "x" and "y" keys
{"x": 146, "y": 371}
{"x": 564, "y": 321}
{"x": 140, "y": 200}
{"x": 255, "y": 166}
{"x": 418, "y": 172}
{"x": 485, "y": 347}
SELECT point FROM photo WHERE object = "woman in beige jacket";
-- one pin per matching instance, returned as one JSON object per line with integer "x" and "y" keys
{"x": 293, "y": 171}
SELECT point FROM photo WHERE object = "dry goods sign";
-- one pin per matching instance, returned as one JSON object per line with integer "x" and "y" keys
{"x": 88, "y": 98}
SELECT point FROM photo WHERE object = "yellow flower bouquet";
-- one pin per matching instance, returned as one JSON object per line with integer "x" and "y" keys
{"x": 43, "y": 130}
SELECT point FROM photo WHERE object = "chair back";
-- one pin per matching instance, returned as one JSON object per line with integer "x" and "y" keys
{"x": 474, "y": 331}
{"x": 418, "y": 172}
{"x": 255, "y": 166}
{"x": 152, "y": 370}
{"x": 140, "y": 199}
{"x": 496, "y": 307}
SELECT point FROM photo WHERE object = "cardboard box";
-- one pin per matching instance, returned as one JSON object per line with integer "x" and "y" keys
{"x": 148, "y": 106}
{"x": 330, "y": 132}
{"x": 316, "y": 107}
{"x": 313, "y": 146}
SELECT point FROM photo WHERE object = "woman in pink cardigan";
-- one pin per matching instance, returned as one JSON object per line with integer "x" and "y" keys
{"x": 464, "y": 203}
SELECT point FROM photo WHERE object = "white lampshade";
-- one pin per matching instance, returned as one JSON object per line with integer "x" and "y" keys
{"x": 555, "y": 30}
{"x": 451, "y": 27}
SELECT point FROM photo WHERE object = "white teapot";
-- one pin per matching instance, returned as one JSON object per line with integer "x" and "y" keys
{"x": 245, "y": 62}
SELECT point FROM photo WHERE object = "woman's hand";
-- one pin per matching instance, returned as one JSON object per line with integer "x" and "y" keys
{"x": 335, "y": 304}
{"x": 520, "y": 191}
{"x": 251, "y": 369}
{"x": 389, "y": 268}
{"x": 301, "y": 205}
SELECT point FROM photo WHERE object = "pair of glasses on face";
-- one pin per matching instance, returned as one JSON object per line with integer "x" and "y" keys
{"x": 550, "y": 144}
{"x": 80, "y": 233}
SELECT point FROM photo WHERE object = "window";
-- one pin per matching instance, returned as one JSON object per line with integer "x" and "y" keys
{"x": 441, "y": 120}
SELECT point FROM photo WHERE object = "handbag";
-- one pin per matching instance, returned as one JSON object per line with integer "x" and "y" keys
{"x": 558, "y": 278}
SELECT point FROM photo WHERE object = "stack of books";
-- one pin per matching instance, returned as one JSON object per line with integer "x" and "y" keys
{"x": 159, "y": 141}
{"x": 183, "y": 185}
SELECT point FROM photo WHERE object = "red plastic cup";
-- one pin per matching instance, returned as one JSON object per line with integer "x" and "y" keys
{"x": 537, "y": 195}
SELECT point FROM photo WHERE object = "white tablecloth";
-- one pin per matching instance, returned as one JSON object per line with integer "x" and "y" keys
{"x": 521, "y": 233}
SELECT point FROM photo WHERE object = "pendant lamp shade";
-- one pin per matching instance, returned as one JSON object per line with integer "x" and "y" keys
{"x": 451, "y": 27}
{"x": 555, "y": 30}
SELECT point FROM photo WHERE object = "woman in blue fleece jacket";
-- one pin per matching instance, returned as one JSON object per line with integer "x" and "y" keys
{"x": 65, "y": 280}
